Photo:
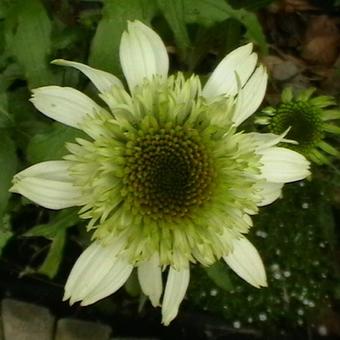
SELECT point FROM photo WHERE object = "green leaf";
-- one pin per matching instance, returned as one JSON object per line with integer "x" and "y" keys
{"x": 173, "y": 12}
{"x": 61, "y": 221}
{"x": 218, "y": 272}
{"x": 209, "y": 12}
{"x": 3, "y": 9}
{"x": 251, "y": 5}
{"x": 9, "y": 75}
{"x": 8, "y": 164}
{"x": 5, "y": 118}
{"x": 253, "y": 26}
{"x": 206, "y": 13}
{"x": 232, "y": 35}
{"x": 221, "y": 38}
{"x": 104, "y": 52}
{"x": 27, "y": 121}
{"x": 53, "y": 259}
{"x": 50, "y": 144}
{"x": 3, "y": 52}
{"x": 55, "y": 231}
{"x": 28, "y": 30}
{"x": 5, "y": 232}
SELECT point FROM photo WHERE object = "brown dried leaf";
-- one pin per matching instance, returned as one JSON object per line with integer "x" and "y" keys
{"x": 292, "y": 6}
{"x": 331, "y": 83}
{"x": 321, "y": 43}
{"x": 280, "y": 69}
{"x": 321, "y": 25}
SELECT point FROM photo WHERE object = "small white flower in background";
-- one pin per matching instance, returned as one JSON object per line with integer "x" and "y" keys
{"x": 164, "y": 177}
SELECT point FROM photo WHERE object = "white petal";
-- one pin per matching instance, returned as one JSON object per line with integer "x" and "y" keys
{"x": 175, "y": 289}
{"x": 102, "y": 80}
{"x": 267, "y": 140}
{"x": 79, "y": 267}
{"x": 53, "y": 170}
{"x": 142, "y": 54}
{"x": 150, "y": 279}
{"x": 240, "y": 64}
{"x": 93, "y": 265}
{"x": 246, "y": 262}
{"x": 270, "y": 192}
{"x": 48, "y": 184}
{"x": 111, "y": 282}
{"x": 281, "y": 165}
{"x": 64, "y": 104}
{"x": 250, "y": 96}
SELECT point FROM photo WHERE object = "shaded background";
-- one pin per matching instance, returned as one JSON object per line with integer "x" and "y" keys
{"x": 298, "y": 237}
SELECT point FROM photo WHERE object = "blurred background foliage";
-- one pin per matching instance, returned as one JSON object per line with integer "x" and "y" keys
{"x": 298, "y": 236}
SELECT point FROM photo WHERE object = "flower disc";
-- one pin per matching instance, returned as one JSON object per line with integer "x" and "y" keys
{"x": 168, "y": 172}
{"x": 303, "y": 120}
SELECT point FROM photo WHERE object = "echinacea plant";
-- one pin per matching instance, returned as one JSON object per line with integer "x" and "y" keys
{"x": 310, "y": 120}
{"x": 163, "y": 177}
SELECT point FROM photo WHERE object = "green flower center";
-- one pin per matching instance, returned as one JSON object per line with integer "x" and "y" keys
{"x": 168, "y": 172}
{"x": 302, "y": 119}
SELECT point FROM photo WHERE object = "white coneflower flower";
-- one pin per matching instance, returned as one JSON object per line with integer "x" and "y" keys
{"x": 164, "y": 177}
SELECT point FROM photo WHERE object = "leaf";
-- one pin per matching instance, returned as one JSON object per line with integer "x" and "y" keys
{"x": 53, "y": 259}
{"x": 8, "y": 76}
{"x": 5, "y": 232}
{"x": 55, "y": 231}
{"x": 3, "y": 52}
{"x": 27, "y": 31}
{"x": 3, "y": 9}
{"x": 218, "y": 272}
{"x": 104, "y": 52}
{"x": 224, "y": 37}
{"x": 61, "y": 221}
{"x": 206, "y": 13}
{"x": 173, "y": 12}
{"x": 27, "y": 121}
{"x": 50, "y": 144}
{"x": 251, "y": 5}
{"x": 5, "y": 118}
{"x": 8, "y": 164}
{"x": 209, "y": 12}
{"x": 253, "y": 26}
